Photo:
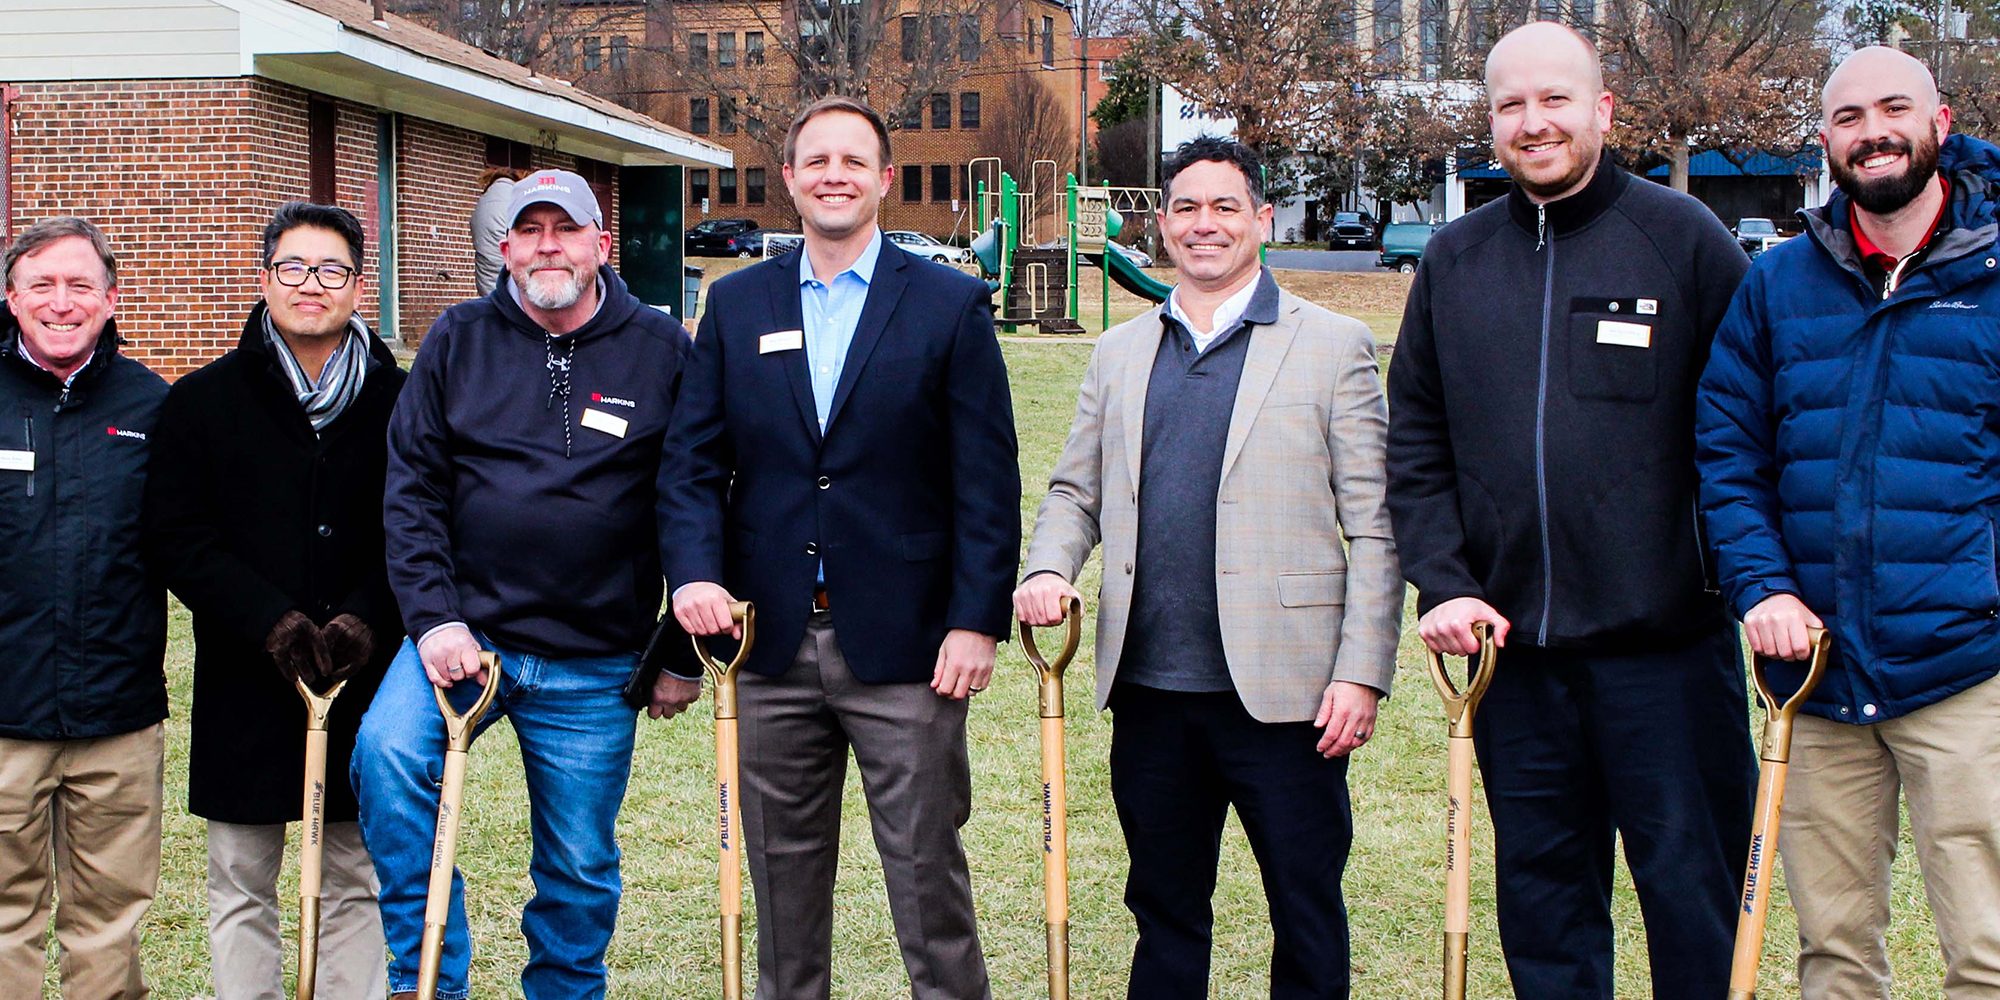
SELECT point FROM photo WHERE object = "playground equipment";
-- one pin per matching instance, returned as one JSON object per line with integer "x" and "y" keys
{"x": 1032, "y": 266}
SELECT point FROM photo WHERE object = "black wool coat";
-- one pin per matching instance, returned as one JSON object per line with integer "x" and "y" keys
{"x": 250, "y": 515}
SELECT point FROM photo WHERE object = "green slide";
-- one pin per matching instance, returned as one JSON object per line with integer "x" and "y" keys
{"x": 1129, "y": 276}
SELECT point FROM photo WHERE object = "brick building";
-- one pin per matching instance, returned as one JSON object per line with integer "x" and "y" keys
{"x": 695, "y": 64}
{"x": 180, "y": 125}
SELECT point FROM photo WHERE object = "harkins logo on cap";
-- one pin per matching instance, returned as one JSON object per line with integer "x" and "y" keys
{"x": 549, "y": 181}
{"x": 598, "y": 397}
{"x": 134, "y": 435}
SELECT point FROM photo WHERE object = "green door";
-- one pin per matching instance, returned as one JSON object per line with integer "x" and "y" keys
{"x": 649, "y": 235}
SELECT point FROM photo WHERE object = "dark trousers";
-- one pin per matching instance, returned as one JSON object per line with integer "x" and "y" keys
{"x": 909, "y": 745}
{"x": 1654, "y": 746}
{"x": 1178, "y": 762}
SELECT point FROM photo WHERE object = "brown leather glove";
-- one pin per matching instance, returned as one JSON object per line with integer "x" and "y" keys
{"x": 297, "y": 648}
{"x": 349, "y": 644}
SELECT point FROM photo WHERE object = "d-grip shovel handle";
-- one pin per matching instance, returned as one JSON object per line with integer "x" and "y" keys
{"x": 724, "y": 674}
{"x": 317, "y": 705}
{"x": 1051, "y": 672}
{"x": 458, "y": 726}
{"x": 1778, "y": 717}
{"x": 1460, "y": 704}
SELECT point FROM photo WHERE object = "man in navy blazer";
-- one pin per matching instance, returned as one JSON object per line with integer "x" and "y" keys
{"x": 842, "y": 455}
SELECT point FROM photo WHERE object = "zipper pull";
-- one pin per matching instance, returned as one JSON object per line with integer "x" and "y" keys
{"x": 62, "y": 399}
{"x": 1541, "y": 226}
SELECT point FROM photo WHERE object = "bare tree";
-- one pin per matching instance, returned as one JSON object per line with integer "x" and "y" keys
{"x": 1036, "y": 126}
{"x": 1730, "y": 75}
{"x": 1411, "y": 133}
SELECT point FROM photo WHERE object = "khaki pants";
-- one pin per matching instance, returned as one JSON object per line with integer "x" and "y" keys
{"x": 93, "y": 806}
{"x": 1839, "y": 836}
{"x": 247, "y": 954}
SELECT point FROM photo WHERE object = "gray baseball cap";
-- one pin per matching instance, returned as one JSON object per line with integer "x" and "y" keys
{"x": 560, "y": 188}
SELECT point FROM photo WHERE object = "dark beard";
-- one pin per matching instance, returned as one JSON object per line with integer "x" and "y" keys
{"x": 1886, "y": 195}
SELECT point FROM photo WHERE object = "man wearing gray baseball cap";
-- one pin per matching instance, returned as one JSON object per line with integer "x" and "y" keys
{"x": 519, "y": 518}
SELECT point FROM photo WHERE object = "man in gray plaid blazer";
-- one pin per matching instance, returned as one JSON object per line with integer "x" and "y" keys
{"x": 1224, "y": 446}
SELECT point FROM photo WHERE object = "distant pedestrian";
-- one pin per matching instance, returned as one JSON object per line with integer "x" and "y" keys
{"x": 489, "y": 225}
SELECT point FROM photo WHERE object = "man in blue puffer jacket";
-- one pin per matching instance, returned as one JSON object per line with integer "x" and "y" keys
{"x": 1851, "y": 478}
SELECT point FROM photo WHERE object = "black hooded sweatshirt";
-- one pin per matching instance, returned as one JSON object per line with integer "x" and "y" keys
{"x": 519, "y": 509}
{"x": 1541, "y": 413}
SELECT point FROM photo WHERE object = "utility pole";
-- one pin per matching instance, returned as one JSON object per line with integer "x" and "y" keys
{"x": 1083, "y": 93}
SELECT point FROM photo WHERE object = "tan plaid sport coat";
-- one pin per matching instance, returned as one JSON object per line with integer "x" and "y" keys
{"x": 1302, "y": 469}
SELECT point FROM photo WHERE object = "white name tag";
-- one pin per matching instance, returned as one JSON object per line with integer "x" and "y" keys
{"x": 598, "y": 420}
{"x": 1610, "y": 331}
{"x": 783, "y": 340}
{"x": 17, "y": 461}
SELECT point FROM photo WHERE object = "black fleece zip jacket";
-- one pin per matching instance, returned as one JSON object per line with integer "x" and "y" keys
{"x": 526, "y": 515}
{"x": 1541, "y": 413}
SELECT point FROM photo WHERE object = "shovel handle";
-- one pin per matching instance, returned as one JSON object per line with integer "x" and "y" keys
{"x": 728, "y": 793}
{"x": 459, "y": 726}
{"x": 1461, "y": 703}
{"x": 1778, "y": 716}
{"x": 1051, "y": 673}
{"x": 724, "y": 674}
{"x": 311, "y": 838}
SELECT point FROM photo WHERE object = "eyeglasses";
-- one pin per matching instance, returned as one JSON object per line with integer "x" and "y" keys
{"x": 292, "y": 274}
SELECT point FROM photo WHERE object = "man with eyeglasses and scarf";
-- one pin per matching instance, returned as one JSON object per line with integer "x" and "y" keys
{"x": 263, "y": 515}
{"x": 520, "y": 519}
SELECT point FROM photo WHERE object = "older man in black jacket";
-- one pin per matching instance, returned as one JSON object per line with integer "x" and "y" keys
{"x": 264, "y": 515}
{"x": 82, "y": 628}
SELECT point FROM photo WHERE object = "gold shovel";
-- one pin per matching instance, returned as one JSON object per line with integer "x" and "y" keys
{"x": 1755, "y": 905}
{"x": 727, "y": 791}
{"x": 311, "y": 843}
{"x": 1055, "y": 794}
{"x": 458, "y": 731}
{"x": 1459, "y": 706}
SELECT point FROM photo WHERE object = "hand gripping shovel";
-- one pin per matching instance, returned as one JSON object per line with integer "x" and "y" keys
{"x": 1055, "y": 794}
{"x": 444, "y": 853}
{"x": 1755, "y": 905}
{"x": 726, "y": 795}
{"x": 312, "y": 846}
{"x": 1459, "y": 706}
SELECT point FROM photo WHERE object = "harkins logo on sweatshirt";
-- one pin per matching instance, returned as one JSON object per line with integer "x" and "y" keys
{"x": 134, "y": 435}
{"x": 598, "y": 397}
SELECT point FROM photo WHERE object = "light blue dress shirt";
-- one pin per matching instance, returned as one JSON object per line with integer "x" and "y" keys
{"x": 831, "y": 311}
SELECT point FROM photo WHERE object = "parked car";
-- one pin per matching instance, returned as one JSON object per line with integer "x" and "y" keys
{"x": 1403, "y": 244}
{"x": 924, "y": 246}
{"x": 1757, "y": 235}
{"x": 711, "y": 238}
{"x": 772, "y": 242}
{"x": 1352, "y": 231}
{"x": 1138, "y": 257}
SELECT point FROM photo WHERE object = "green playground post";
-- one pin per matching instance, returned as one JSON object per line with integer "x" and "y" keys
{"x": 1069, "y": 195}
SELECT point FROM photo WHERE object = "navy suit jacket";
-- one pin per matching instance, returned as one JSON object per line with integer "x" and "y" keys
{"x": 912, "y": 497}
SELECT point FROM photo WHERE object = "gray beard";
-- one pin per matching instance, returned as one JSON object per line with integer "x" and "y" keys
{"x": 552, "y": 299}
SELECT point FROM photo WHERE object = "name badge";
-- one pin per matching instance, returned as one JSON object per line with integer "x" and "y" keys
{"x": 783, "y": 340}
{"x": 17, "y": 461}
{"x": 1611, "y": 331}
{"x": 598, "y": 420}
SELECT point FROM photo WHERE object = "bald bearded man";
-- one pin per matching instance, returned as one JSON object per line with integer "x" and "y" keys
{"x": 1541, "y": 480}
{"x": 1861, "y": 361}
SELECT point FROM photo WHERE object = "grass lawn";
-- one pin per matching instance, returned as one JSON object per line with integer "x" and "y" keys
{"x": 665, "y": 945}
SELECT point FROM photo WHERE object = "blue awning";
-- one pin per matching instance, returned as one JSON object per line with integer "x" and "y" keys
{"x": 1711, "y": 163}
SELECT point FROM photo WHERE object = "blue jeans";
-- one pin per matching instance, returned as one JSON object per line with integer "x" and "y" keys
{"x": 576, "y": 735}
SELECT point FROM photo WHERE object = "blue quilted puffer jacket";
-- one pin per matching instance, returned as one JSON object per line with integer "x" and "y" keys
{"x": 1849, "y": 450}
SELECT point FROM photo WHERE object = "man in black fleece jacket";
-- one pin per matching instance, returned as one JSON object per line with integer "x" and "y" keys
{"x": 1542, "y": 479}
{"x": 519, "y": 517}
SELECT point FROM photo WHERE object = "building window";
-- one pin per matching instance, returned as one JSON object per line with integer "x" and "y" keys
{"x": 968, "y": 109}
{"x": 593, "y": 52}
{"x": 912, "y": 27}
{"x": 753, "y": 186}
{"x": 726, "y": 183}
{"x": 1431, "y": 26}
{"x": 1484, "y": 26}
{"x": 698, "y": 115}
{"x": 968, "y": 38}
{"x": 1343, "y": 24}
{"x": 1548, "y": 10}
{"x": 725, "y": 49}
{"x": 508, "y": 153}
{"x": 698, "y": 48}
{"x": 753, "y": 48}
{"x": 913, "y": 183}
{"x": 940, "y": 110}
{"x": 725, "y": 116}
{"x": 1048, "y": 43}
{"x": 1388, "y": 35}
{"x": 322, "y": 124}
{"x": 698, "y": 186}
{"x": 620, "y": 49}
{"x": 1583, "y": 13}
{"x": 941, "y": 182}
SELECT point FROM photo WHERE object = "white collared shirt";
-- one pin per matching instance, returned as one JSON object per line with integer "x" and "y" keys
{"x": 1227, "y": 315}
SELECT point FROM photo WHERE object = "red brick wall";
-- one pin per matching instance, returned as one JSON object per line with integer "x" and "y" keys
{"x": 183, "y": 174}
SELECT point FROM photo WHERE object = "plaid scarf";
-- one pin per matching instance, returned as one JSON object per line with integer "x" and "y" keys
{"x": 339, "y": 382}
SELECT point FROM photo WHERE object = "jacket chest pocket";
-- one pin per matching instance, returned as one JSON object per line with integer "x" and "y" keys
{"x": 17, "y": 458}
{"x": 1613, "y": 350}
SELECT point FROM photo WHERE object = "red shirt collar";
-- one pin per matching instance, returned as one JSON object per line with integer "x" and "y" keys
{"x": 1882, "y": 259}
